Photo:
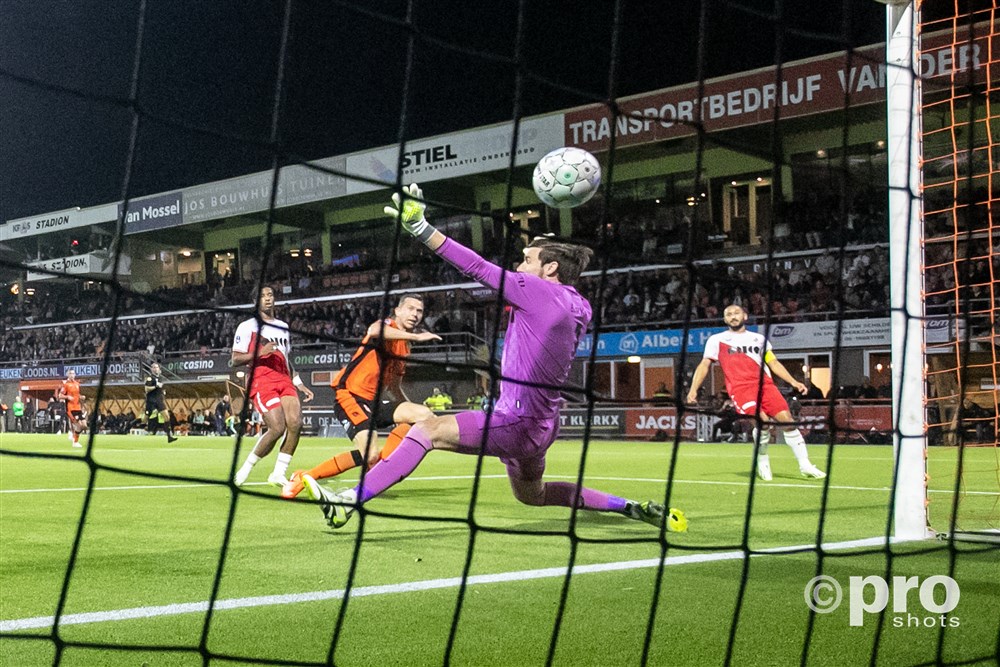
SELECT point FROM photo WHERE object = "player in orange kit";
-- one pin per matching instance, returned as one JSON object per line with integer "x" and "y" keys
{"x": 359, "y": 405}
{"x": 69, "y": 391}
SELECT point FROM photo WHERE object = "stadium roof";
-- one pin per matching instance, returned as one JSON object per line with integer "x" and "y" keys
{"x": 823, "y": 84}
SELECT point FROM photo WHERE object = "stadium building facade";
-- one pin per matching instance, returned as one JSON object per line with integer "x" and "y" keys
{"x": 698, "y": 172}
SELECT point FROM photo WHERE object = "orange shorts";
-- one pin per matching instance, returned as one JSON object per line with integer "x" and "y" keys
{"x": 358, "y": 414}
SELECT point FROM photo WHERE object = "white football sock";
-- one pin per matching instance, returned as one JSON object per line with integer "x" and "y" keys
{"x": 765, "y": 438}
{"x": 248, "y": 465}
{"x": 281, "y": 465}
{"x": 798, "y": 444}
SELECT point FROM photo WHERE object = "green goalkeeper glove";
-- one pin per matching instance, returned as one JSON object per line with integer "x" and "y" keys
{"x": 410, "y": 212}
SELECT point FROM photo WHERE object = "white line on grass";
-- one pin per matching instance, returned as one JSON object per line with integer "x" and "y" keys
{"x": 767, "y": 485}
{"x": 440, "y": 478}
{"x": 840, "y": 456}
{"x": 405, "y": 587}
{"x": 161, "y": 450}
{"x": 101, "y": 449}
{"x": 139, "y": 487}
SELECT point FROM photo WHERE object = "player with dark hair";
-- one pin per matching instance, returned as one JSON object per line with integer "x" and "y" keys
{"x": 379, "y": 363}
{"x": 548, "y": 319}
{"x": 69, "y": 392}
{"x": 264, "y": 344}
{"x": 156, "y": 404}
{"x": 741, "y": 353}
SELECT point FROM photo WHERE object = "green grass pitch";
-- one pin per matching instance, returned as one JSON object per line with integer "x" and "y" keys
{"x": 152, "y": 549}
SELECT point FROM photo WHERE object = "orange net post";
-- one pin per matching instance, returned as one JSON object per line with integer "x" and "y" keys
{"x": 960, "y": 73}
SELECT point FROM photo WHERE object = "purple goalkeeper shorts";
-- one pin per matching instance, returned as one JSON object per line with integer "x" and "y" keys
{"x": 520, "y": 442}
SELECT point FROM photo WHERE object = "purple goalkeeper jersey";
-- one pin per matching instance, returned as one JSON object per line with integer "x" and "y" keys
{"x": 546, "y": 324}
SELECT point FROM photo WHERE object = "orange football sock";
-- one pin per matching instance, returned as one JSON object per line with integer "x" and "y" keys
{"x": 338, "y": 464}
{"x": 392, "y": 440}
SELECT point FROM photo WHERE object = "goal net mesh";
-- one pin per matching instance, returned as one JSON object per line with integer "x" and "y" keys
{"x": 961, "y": 266}
{"x": 961, "y": 186}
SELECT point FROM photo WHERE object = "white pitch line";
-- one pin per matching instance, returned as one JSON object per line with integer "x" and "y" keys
{"x": 35, "y": 622}
{"x": 746, "y": 454}
{"x": 140, "y": 487}
{"x": 440, "y": 478}
{"x": 100, "y": 449}
{"x": 162, "y": 450}
{"x": 136, "y": 487}
{"x": 688, "y": 453}
{"x": 767, "y": 485}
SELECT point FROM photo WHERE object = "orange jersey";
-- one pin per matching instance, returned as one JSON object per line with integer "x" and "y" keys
{"x": 361, "y": 375}
{"x": 71, "y": 392}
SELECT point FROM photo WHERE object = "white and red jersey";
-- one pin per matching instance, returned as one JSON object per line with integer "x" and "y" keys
{"x": 741, "y": 354}
{"x": 274, "y": 367}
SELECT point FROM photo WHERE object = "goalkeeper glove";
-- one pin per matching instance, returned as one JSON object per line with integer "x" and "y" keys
{"x": 410, "y": 212}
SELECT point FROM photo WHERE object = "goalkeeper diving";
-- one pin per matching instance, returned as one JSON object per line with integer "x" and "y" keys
{"x": 548, "y": 319}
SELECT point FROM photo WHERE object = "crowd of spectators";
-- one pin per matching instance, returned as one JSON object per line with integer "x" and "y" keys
{"x": 803, "y": 288}
{"x": 119, "y": 424}
{"x": 818, "y": 272}
{"x": 793, "y": 288}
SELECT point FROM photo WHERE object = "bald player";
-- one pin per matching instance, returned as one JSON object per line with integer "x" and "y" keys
{"x": 741, "y": 353}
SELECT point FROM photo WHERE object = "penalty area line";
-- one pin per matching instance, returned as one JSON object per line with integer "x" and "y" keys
{"x": 133, "y": 613}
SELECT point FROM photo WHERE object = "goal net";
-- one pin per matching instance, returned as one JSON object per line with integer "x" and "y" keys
{"x": 960, "y": 117}
{"x": 869, "y": 259}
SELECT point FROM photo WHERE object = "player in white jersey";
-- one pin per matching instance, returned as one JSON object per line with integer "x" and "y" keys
{"x": 264, "y": 345}
{"x": 741, "y": 354}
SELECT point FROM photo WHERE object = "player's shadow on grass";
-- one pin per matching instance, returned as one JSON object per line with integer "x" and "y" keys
{"x": 377, "y": 533}
{"x": 416, "y": 491}
{"x": 588, "y": 524}
{"x": 423, "y": 527}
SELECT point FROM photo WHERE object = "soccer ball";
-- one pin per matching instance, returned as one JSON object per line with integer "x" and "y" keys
{"x": 566, "y": 177}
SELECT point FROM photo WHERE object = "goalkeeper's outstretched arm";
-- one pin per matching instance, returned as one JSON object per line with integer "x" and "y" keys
{"x": 409, "y": 210}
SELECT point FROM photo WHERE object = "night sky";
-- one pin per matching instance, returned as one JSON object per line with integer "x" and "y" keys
{"x": 206, "y": 88}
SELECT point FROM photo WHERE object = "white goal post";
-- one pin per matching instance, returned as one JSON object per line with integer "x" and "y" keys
{"x": 903, "y": 121}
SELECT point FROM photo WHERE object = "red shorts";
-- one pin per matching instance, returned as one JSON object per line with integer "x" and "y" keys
{"x": 267, "y": 395}
{"x": 771, "y": 400}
